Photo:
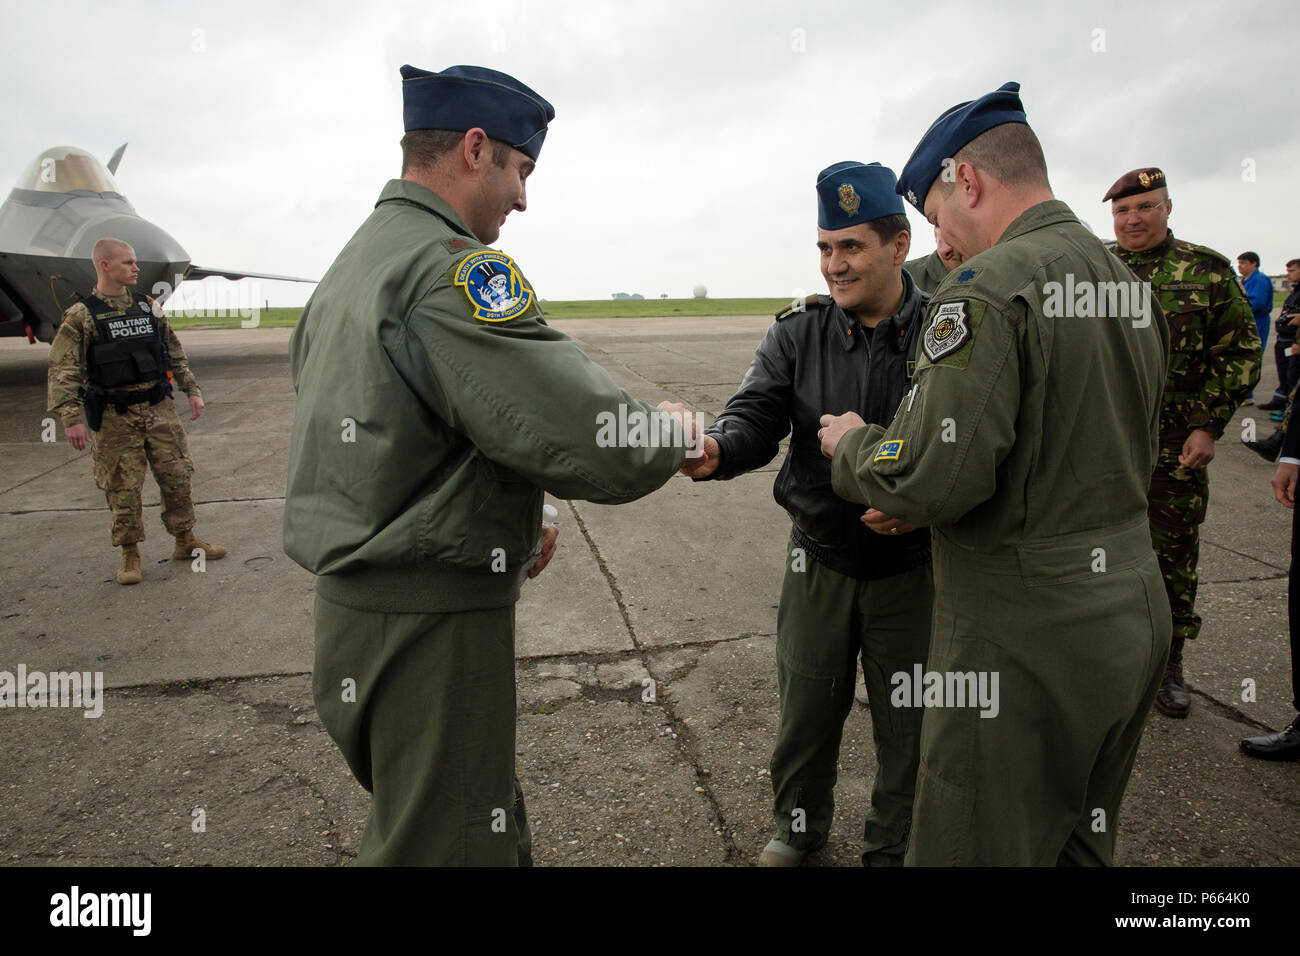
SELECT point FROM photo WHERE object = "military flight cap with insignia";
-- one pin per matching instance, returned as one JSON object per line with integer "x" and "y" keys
{"x": 950, "y": 132}
{"x": 463, "y": 97}
{"x": 850, "y": 193}
{"x": 950, "y": 326}
{"x": 1135, "y": 182}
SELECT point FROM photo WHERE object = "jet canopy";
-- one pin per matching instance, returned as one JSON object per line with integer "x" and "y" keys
{"x": 65, "y": 169}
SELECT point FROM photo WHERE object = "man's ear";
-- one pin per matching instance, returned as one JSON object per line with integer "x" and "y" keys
{"x": 902, "y": 246}
{"x": 968, "y": 181}
{"x": 475, "y": 148}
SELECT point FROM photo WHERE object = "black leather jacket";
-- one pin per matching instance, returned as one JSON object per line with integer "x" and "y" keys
{"x": 812, "y": 362}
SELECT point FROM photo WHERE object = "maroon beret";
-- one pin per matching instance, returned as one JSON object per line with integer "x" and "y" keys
{"x": 1137, "y": 181}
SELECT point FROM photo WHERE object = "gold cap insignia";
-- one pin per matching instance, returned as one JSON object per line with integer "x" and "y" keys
{"x": 849, "y": 199}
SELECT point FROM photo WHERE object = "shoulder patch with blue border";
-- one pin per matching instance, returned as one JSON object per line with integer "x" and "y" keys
{"x": 492, "y": 284}
{"x": 889, "y": 450}
{"x": 948, "y": 330}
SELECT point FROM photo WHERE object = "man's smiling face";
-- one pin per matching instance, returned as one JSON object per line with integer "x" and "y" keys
{"x": 855, "y": 264}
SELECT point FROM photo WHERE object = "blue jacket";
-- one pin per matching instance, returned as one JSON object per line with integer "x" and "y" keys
{"x": 1259, "y": 289}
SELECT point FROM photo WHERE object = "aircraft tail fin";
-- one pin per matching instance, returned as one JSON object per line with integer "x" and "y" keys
{"x": 116, "y": 158}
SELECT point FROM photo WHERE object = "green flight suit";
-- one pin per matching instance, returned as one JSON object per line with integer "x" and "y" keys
{"x": 435, "y": 407}
{"x": 826, "y": 620}
{"x": 1026, "y": 445}
{"x": 927, "y": 271}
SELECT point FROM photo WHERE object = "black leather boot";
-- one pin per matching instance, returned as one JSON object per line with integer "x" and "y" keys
{"x": 1172, "y": 699}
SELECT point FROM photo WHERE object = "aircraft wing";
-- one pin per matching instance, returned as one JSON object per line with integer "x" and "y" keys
{"x": 199, "y": 272}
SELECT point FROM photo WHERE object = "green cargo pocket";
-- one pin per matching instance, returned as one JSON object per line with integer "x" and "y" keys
{"x": 505, "y": 515}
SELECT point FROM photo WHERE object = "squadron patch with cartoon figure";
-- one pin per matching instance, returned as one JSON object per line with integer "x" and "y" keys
{"x": 493, "y": 286}
{"x": 948, "y": 330}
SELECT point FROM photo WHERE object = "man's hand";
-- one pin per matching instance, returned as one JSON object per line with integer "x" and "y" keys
{"x": 833, "y": 429}
{"x": 881, "y": 523}
{"x": 707, "y": 463}
{"x": 196, "y": 408}
{"x": 1198, "y": 450}
{"x": 550, "y": 533}
{"x": 1283, "y": 483}
{"x": 684, "y": 417}
{"x": 78, "y": 435}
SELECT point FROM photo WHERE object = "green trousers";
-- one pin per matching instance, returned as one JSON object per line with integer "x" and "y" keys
{"x": 825, "y": 620}
{"x": 423, "y": 708}
{"x": 1079, "y": 654}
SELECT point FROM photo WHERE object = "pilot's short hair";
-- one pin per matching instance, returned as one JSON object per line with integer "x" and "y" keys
{"x": 106, "y": 246}
{"x": 422, "y": 148}
{"x": 1010, "y": 153}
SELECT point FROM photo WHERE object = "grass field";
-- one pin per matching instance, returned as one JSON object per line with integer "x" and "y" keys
{"x": 580, "y": 309}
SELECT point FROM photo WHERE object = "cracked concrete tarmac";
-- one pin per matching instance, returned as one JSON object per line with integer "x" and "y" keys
{"x": 647, "y": 689}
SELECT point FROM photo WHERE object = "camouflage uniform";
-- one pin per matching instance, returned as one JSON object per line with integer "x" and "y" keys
{"x": 1214, "y": 363}
{"x": 127, "y": 443}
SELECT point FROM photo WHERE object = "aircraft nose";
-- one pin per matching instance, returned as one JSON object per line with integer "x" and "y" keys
{"x": 161, "y": 259}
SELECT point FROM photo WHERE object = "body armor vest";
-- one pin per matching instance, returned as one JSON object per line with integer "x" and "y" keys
{"x": 128, "y": 347}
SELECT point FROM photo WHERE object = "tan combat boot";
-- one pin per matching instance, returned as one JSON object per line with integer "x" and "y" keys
{"x": 187, "y": 542}
{"x": 128, "y": 572}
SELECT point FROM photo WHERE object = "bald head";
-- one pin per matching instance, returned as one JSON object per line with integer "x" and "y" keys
{"x": 115, "y": 265}
{"x": 109, "y": 248}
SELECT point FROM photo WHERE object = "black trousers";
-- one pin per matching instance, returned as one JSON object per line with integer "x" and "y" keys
{"x": 1288, "y": 368}
{"x": 1293, "y": 606}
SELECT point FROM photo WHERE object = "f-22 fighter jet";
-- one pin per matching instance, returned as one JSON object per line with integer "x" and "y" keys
{"x": 63, "y": 203}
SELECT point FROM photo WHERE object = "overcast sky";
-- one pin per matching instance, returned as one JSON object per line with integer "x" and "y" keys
{"x": 687, "y": 137}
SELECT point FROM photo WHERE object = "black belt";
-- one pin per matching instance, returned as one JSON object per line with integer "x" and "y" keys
{"x": 122, "y": 400}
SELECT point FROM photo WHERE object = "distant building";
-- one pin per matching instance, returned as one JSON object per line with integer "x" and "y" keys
{"x": 625, "y": 295}
{"x": 701, "y": 292}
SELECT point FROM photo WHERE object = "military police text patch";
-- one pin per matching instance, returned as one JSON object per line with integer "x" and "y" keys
{"x": 493, "y": 286}
{"x": 948, "y": 330}
{"x": 889, "y": 450}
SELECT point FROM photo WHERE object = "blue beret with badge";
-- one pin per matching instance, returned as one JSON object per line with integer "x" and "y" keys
{"x": 953, "y": 130}
{"x": 850, "y": 193}
{"x": 463, "y": 97}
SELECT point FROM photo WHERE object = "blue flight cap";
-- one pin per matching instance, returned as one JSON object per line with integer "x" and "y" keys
{"x": 850, "y": 193}
{"x": 953, "y": 130}
{"x": 462, "y": 97}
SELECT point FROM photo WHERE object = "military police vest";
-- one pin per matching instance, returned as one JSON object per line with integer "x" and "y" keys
{"x": 128, "y": 347}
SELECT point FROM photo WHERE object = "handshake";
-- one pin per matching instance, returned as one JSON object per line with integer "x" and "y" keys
{"x": 704, "y": 456}
{"x": 702, "y": 452}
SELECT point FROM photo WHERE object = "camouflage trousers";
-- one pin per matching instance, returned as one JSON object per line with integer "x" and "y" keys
{"x": 125, "y": 447}
{"x": 1176, "y": 503}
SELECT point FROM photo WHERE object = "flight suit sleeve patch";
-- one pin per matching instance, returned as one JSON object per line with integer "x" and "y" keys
{"x": 951, "y": 326}
{"x": 889, "y": 450}
{"x": 491, "y": 283}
